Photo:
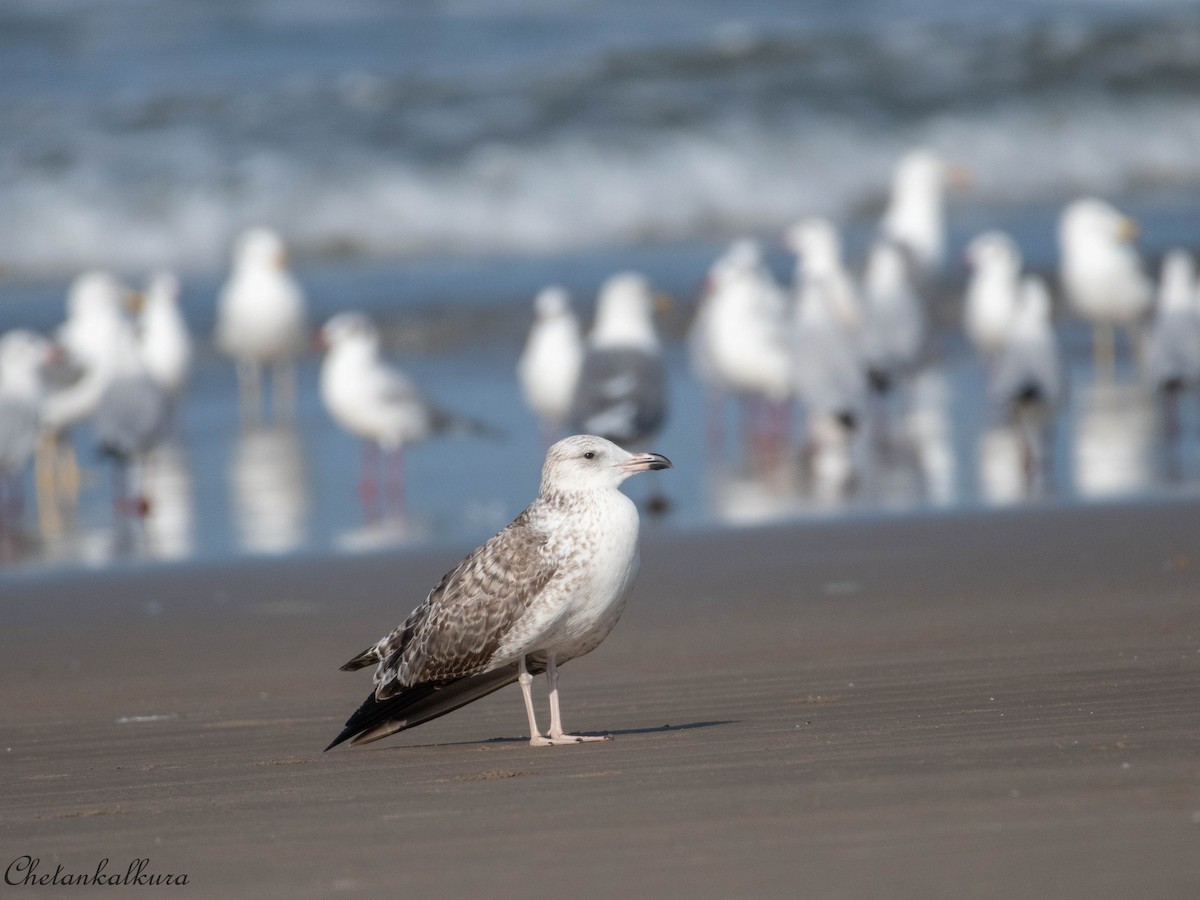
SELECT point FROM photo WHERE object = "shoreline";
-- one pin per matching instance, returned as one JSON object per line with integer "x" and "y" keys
{"x": 970, "y": 705}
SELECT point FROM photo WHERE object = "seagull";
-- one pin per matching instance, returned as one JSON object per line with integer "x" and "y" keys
{"x": 1027, "y": 381}
{"x": 163, "y": 338}
{"x": 622, "y": 389}
{"x": 90, "y": 338}
{"x": 262, "y": 320}
{"x": 915, "y": 215}
{"x": 545, "y": 590}
{"x": 893, "y": 317}
{"x": 131, "y": 418}
{"x": 827, "y": 363}
{"x": 548, "y": 369}
{"x": 990, "y": 302}
{"x": 376, "y": 401}
{"x": 22, "y": 355}
{"x": 739, "y": 340}
{"x": 1102, "y": 273}
{"x": 1173, "y": 347}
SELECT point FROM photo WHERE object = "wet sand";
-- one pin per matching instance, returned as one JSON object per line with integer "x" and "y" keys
{"x": 992, "y": 705}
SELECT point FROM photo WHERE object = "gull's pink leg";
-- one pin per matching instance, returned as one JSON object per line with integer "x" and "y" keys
{"x": 394, "y": 463}
{"x": 368, "y": 488}
{"x": 535, "y": 735}
{"x": 557, "y": 735}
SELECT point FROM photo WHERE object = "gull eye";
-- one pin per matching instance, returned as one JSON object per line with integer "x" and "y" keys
{"x": 591, "y": 454}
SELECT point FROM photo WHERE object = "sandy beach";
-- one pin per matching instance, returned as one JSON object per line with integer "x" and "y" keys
{"x": 975, "y": 705}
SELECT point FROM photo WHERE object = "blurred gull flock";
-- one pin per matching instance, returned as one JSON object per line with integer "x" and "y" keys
{"x": 878, "y": 258}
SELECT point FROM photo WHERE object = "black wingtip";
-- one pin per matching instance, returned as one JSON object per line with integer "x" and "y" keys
{"x": 346, "y": 734}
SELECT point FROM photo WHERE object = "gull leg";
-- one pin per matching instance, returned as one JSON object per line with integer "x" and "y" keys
{"x": 1104, "y": 352}
{"x": 535, "y": 735}
{"x": 394, "y": 464}
{"x": 557, "y": 735}
{"x": 283, "y": 391}
{"x": 249, "y": 376}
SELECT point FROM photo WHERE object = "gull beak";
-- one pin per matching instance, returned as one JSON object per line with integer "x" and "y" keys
{"x": 645, "y": 462}
{"x": 1128, "y": 231}
{"x": 663, "y": 304}
{"x": 318, "y": 341}
{"x": 134, "y": 302}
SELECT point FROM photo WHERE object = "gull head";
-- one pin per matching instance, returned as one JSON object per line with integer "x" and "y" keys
{"x": 551, "y": 302}
{"x": 1089, "y": 222}
{"x": 260, "y": 248}
{"x": 585, "y": 462}
{"x": 994, "y": 251}
{"x": 349, "y": 329}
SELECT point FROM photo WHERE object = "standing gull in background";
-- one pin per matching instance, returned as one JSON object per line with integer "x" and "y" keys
{"x": 990, "y": 302}
{"x": 545, "y": 590}
{"x": 130, "y": 419}
{"x": 163, "y": 338}
{"x": 739, "y": 343}
{"x": 915, "y": 218}
{"x": 1173, "y": 345}
{"x": 22, "y": 356}
{"x": 549, "y": 365}
{"x": 262, "y": 321}
{"x": 622, "y": 389}
{"x": 1027, "y": 381}
{"x": 1102, "y": 274}
{"x": 827, "y": 363}
{"x": 91, "y": 338}
{"x": 893, "y": 317}
{"x": 377, "y": 402}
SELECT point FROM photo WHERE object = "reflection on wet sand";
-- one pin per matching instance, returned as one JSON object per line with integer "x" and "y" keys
{"x": 270, "y": 487}
{"x": 1113, "y": 450}
{"x": 380, "y": 533}
{"x": 167, "y": 486}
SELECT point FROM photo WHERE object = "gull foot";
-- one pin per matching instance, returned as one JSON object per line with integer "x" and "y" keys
{"x": 555, "y": 740}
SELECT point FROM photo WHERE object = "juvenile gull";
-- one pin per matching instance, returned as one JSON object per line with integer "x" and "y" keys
{"x": 545, "y": 590}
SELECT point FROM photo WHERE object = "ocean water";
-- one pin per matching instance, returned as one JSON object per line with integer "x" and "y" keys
{"x": 435, "y": 163}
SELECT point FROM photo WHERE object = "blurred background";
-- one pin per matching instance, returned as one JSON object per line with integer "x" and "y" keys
{"x": 436, "y": 163}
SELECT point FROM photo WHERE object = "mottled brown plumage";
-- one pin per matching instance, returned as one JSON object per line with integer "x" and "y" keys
{"x": 546, "y": 589}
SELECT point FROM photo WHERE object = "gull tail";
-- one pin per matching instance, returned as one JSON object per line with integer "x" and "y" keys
{"x": 377, "y": 719}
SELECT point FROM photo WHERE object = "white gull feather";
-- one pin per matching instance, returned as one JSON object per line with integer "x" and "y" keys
{"x": 545, "y": 590}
